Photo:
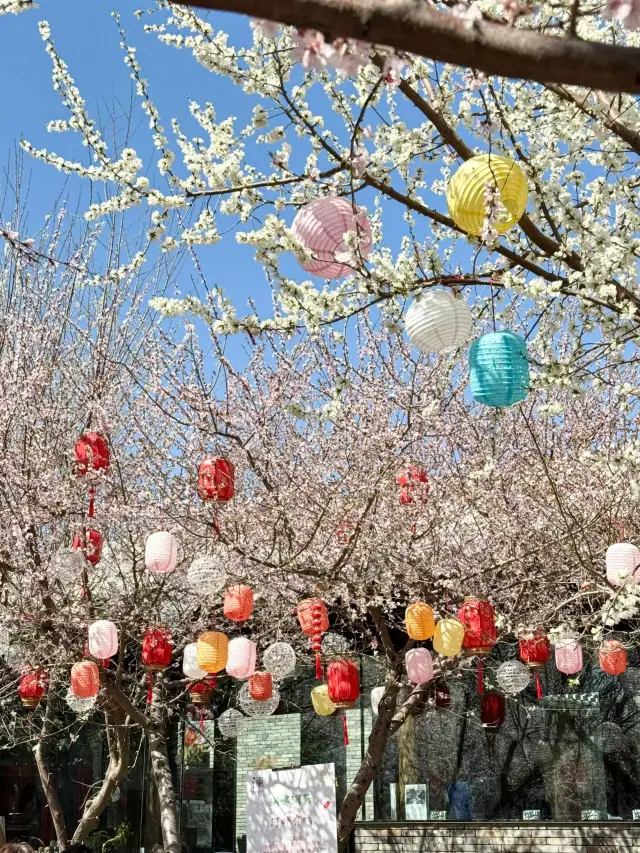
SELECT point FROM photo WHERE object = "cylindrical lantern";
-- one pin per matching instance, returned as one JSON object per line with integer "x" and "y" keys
{"x": 90, "y": 543}
{"x": 157, "y": 649}
{"x": 314, "y": 621}
{"x": 231, "y": 723}
{"x": 213, "y": 651}
{"x": 448, "y": 636}
{"x": 466, "y": 193}
{"x": 258, "y": 707}
{"x": 443, "y": 696}
{"x": 85, "y": 679}
{"x": 438, "y": 322}
{"x": 201, "y": 691}
{"x": 241, "y": 657}
{"x": 190, "y": 663}
{"x": 499, "y": 369}
{"x": 161, "y": 552}
{"x": 343, "y": 682}
{"x": 613, "y": 657}
{"x": 479, "y": 620}
{"x": 206, "y": 575}
{"x": 91, "y": 453}
{"x": 419, "y": 622}
{"x": 279, "y": 659}
{"x": 238, "y": 602}
{"x": 261, "y": 686}
{"x": 377, "y": 695}
{"x": 419, "y": 665}
{"x": 322, "y": 226}
{"x": 322, "y": 705}
{"x": 216, "y": 480}
{"x": 414, "y": 485}
{"x": 32, "y": 687}
{"x": 513, "y": 676}
{"x": 568, "y": 654}
{"x": 103, "y": 640}
{"x": 492, "y": 709}
{"x": 623, "y": 560}
{"x": 535, "y": 651}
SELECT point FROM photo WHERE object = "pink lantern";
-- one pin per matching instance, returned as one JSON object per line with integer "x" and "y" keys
{"x": 161, "y": 552}
{"x": 622, "y": 561}
{"x": 419, "y": 665}
{"x": 321, "y": 226}
{"x": 241, "y": 662}
{"x": 103, "y": 640}
{"x": 568, "y": 656}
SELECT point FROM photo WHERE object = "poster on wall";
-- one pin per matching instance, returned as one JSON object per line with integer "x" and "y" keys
{"x": 416, "y": 805}
{"x": 292, "y": 811}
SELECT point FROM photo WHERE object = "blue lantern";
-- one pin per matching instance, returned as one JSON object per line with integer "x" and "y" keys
{"x": 499, "y": 369}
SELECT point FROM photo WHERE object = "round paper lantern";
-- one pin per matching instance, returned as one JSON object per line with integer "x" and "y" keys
{"x": 81, "y": 707}
{"x": 91, "y": 453}
{"x": 334, "y": 645}
{"x": 32, "y": 688}
{"x": 443, "y": 696}
{"x": 321, "y": 226}
{"x": 190, "y": 663}
{"x": 241, "y": 657}
{"x": 231, "y": 723}
{"x": 314, "y": 621}
{"x": 206, "y": 576}
{"x": 85, "y": 679}
{"x": 467, "y": 189}
{"x": 261, "y": 686}
{"x": 238, "y": 602}
{"x": 103, "y": 639}
{"x": 493, "y": 708}
{"x": 568, "y": 654}
{"x": 419, "y": 665}
{"x": 499, "y": 369}
{"x": 479, "y": 620}
{"x": 513, "y": 676}
{"x": 343, "y": 682}
{"x": 448, "y": 636}
{"x": 256, "y": 708}
{"x": 67, "y": 565}
{"x": 279, "y": 660}
{"x": 414, "y": 485}
{"x": 89, "y": 544}
{"x": 611, "y": 737}
{"x": 613, "y": 657}
{"x": 157, "y": 649}
{"x": 322, "y": 705}
{"x": 213, "y": 651}
{"x": 201, "y": 691}
{"x": 216, "y": 480}
{"x": 377, "y": 695}
{"x": 438, "y": 322}
{"x": 419, "y": 622}
{"x": 161, "y": 552}
{"x": 622, "y": 562}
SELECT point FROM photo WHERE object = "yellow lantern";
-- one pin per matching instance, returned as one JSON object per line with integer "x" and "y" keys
{"x": 418, "y": 619}
{"x": 466, "y": 192}
{"x": 213, "y": 651}
{"x": 448, "y": 637}
{"x": 322, "y": 705}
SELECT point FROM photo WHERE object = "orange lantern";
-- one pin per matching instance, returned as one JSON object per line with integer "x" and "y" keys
{"x": 92, "y": 453}
{"x": 85, "y": 679}
{"x": 261, "y": 686}
{"x": 32, "y": 687}
{"x": 613, "y": 657}
{"x": 216, "y": 480}
{"x": 314, "y": 621}
{"x": 480, "y": 633}
{"x": 212, "y": 651}
{"x": 238, "y": 602}
{"x": 419, "y": 621}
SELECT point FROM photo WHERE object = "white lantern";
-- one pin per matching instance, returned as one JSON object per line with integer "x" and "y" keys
{"x": 67, "y": 565}
{"x": 513, "y": 676}
{"x": 279, "y": 659}
{"x": 376, "y": 697}
{"x": 622, "y": 562}
{"x": 161, "y": 552}
{"x": 5, "y": 640}
{"x": 206, "y": 575}
{"x": 334, "y": 645}
{"x": 611, "y": 737}
{"x": 190, "y": 663}
{"x": 241, "y": 660}
{"x": 258, "y": 707}
{"x": 231, "y": 723}
{"x": 103, "y": 639}
{"x": 81, "y": 707}
{"x": 438, "y": 322}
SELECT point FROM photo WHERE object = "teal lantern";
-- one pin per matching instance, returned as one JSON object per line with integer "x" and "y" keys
{"x": 499, "y": 369}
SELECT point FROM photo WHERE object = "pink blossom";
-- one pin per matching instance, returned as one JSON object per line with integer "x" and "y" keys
{"x": 359, "y": 163}
{"x": 393, "y": 68}
{"x": 266, "y": 29}
{"x": 312, "y": 52}
{"x": 627, "y": 11}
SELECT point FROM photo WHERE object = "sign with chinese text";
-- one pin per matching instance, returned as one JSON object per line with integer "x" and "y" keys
{"x": 292, "y": 811}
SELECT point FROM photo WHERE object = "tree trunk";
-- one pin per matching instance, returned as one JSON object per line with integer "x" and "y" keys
{"x": 407, "y": 763}
{"x": 159, "y": 753}
{"x": 46, "y": 780}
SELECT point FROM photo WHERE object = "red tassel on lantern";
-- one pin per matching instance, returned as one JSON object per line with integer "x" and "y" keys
{"x": 92, "y": 505}
{"x": 345, "y": 730}
{"x": 216, "y": 480}
{"x": 149, "y": 688}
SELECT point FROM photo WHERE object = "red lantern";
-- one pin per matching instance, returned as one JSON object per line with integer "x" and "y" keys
{"x": 343, "y": 687}
{"x": 261, "y": 686}
{"x": 238, "y": 602}
{"x": 480, "y": 632}
{"x": 613, "y": 657}
{"x": 157, "y": 649}
{"x": 92, "y": 453}
{"x": 314, "y": 621}
{"x": 535, "y": 651}
{"x": 414, "y": 485}
{"x": 202, "y": 691}
{"x": 90, "y": 544}
{"x": 345, "y": 530}
{"x": 216, "y": 480}
{"x": 85, "y": 679}
{"x": 492, "y": 709}
{"x": 32, "y": 687}
{"x": 443, "y": 696}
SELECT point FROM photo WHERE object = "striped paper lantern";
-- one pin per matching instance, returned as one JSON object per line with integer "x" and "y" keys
{"x": 190, "y": 663}
{"x": 448, "y": 636}
{"x": 499, "y": 369}
{"x": 419, "y": 665}
{"x": 238, "y": 602}
{"x": 622, "y": 562}
{"x": 161, "y": 552}
{"x": 261, "y": 686}
{"x": 467, "y": 188}
{"x": 321, "y": 226}
{"x": 419, "y": 621}
{"x": 613, "y": 657}
{"x": 241, "y": 657}
{"x": 85, "y": 679}
{"x": 438, "y": 322}
{"x": 103, "y": 639}
{"x": 568, "y": 654}
{"x": 213, "y": 651}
